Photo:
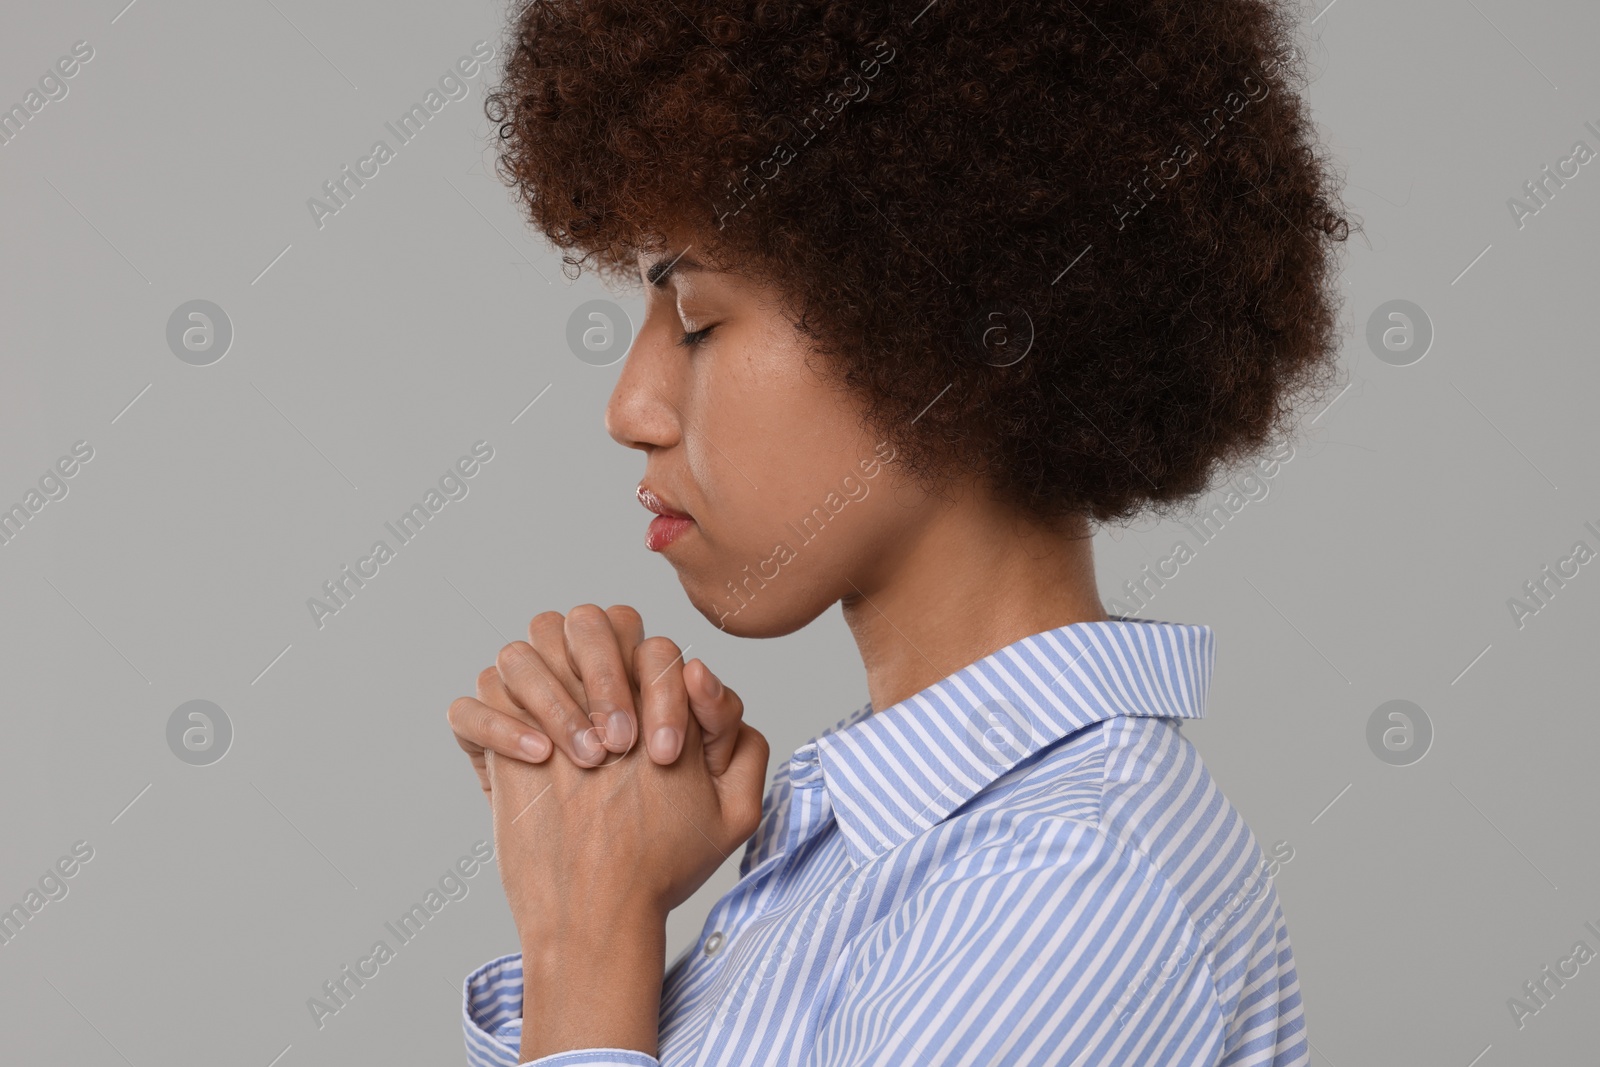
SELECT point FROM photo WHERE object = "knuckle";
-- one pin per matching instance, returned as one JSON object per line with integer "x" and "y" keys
{"x": 622, "y": 613}
{"x": 587, "y": 615}
{"x": 512, "y": 657}
{"x": 658, "y": 664}
{"x": 546, "y": 705}
{"x": 658, "y": 647}
{"x": 749, "y": 818}
{"x": 606, "y": 680}
{"x": 546, "y": 619}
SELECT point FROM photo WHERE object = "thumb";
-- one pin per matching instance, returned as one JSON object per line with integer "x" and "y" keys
{"x": 740, "y": 787}
{"x": 718, "y": 710}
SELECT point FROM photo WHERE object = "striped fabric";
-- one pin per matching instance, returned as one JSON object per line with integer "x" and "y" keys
{"x": 1024, "y": 864}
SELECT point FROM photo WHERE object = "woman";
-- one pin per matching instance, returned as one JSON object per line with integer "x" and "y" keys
{"x": 930, "y": 290}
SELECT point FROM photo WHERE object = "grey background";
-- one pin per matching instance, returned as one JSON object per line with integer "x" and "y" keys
{"x": 370, "y": 354}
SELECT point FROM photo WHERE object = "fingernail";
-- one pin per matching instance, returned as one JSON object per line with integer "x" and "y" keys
{"x": 664, "y": 744}
{"x": 586, "y": 745}
{"x": 712, "y": 681}
{"x": 619, "y": 729}
{"x": 535, "y": 745}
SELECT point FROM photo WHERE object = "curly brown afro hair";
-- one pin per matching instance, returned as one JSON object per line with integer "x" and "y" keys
{"x": 1085, "y": 251}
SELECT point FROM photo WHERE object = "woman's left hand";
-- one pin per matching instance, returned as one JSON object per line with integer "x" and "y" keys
{"x": 593, "y": 859}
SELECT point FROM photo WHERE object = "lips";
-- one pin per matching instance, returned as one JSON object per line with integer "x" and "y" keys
{"x": 653, "y": 502}
{"x": 669, "y": 523}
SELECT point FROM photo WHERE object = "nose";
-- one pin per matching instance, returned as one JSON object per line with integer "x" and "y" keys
{"x": 640, "y": 413}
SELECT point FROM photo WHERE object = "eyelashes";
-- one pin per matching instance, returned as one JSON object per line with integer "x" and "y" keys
{"x": 693, "y": 340}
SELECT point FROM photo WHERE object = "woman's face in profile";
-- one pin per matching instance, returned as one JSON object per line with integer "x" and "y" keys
{"x": 793, "y": 504}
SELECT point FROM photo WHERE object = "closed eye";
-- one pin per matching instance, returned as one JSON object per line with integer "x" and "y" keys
{"x": 693, "y": 340}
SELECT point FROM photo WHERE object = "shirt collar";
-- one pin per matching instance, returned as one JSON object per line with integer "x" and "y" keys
{"x": 893, "y": 774}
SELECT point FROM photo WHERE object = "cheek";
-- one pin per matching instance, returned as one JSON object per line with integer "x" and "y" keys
{"x": 786, "y": 512}
{"x": 773, "y": 443}
{"x": 754, "y": 462}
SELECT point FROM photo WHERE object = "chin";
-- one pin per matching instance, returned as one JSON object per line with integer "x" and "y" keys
{"x": 768, "y": 616}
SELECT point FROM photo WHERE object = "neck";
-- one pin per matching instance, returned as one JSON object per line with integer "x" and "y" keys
{"x": 975, "y": 579}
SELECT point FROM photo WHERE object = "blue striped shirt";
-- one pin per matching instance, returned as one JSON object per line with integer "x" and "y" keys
{"x": 1025, "y": 864}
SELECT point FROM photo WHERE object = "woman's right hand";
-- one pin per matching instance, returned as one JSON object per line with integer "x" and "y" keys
{"x": 590, "y": 684}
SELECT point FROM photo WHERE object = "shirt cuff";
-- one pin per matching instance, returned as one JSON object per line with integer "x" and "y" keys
{"x": 491, "y": 1020}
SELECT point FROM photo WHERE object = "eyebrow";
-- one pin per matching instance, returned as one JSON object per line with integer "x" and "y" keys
{"x": 659, "y": 271}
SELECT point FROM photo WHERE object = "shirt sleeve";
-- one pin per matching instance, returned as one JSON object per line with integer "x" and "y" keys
{"x": 491, "y": 1019}
{"x": 1062, "y": 948}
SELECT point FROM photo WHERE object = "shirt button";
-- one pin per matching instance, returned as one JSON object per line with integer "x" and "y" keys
{"x": 714, "y": 943}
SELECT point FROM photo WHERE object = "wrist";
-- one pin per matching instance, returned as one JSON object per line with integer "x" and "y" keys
{"x": 585, "y": 921}
{"x": 595, "y": 983}
{"x": 551, "y": 946}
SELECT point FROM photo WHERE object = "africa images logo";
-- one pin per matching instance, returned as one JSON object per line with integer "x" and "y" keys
{"x": 453, "y": 84}
{"x": 454, "y": 884}
{"x": 342, "y": 588}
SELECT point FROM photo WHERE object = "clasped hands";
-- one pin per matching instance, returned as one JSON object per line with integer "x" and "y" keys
{"x": 596, "y": 834}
